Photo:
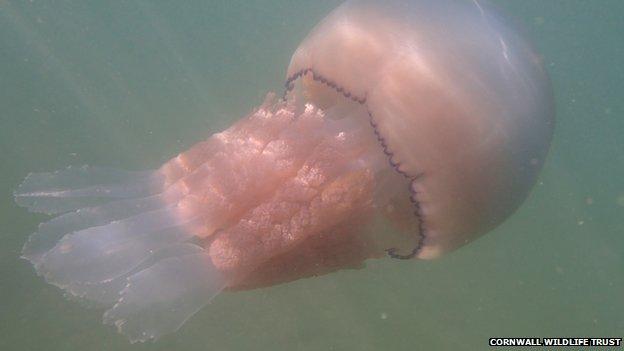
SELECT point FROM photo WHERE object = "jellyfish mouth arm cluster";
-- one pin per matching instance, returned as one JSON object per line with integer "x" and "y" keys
{"x": 285, "y": 193}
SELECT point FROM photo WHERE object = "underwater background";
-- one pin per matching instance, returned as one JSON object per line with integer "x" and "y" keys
{"x": 129, "y": 84}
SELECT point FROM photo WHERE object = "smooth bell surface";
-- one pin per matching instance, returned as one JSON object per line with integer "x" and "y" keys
{"x": 457, "y": 94}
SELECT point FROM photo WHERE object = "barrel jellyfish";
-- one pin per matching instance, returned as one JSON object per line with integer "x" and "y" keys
{"x": 407, "y": 129}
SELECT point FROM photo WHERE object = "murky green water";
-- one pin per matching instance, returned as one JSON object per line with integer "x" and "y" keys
{"x": 129, "y": 84}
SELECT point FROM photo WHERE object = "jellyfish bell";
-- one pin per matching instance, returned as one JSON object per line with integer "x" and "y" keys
{"x": 457, "y": 95}
{"x": 433, "y": 117}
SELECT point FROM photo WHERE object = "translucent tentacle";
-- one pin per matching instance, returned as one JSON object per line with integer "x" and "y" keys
{"x": 79, "y": 187}
{"x": 50, "y": 232}
{"x": 159, "y": 299}
{"x": 105, "y": 252}
{"x": 106, "y": 294}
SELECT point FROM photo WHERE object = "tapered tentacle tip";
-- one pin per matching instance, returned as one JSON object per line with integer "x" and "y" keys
{"x": 158, "y": 300}
{"x": 79, "y": 187}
